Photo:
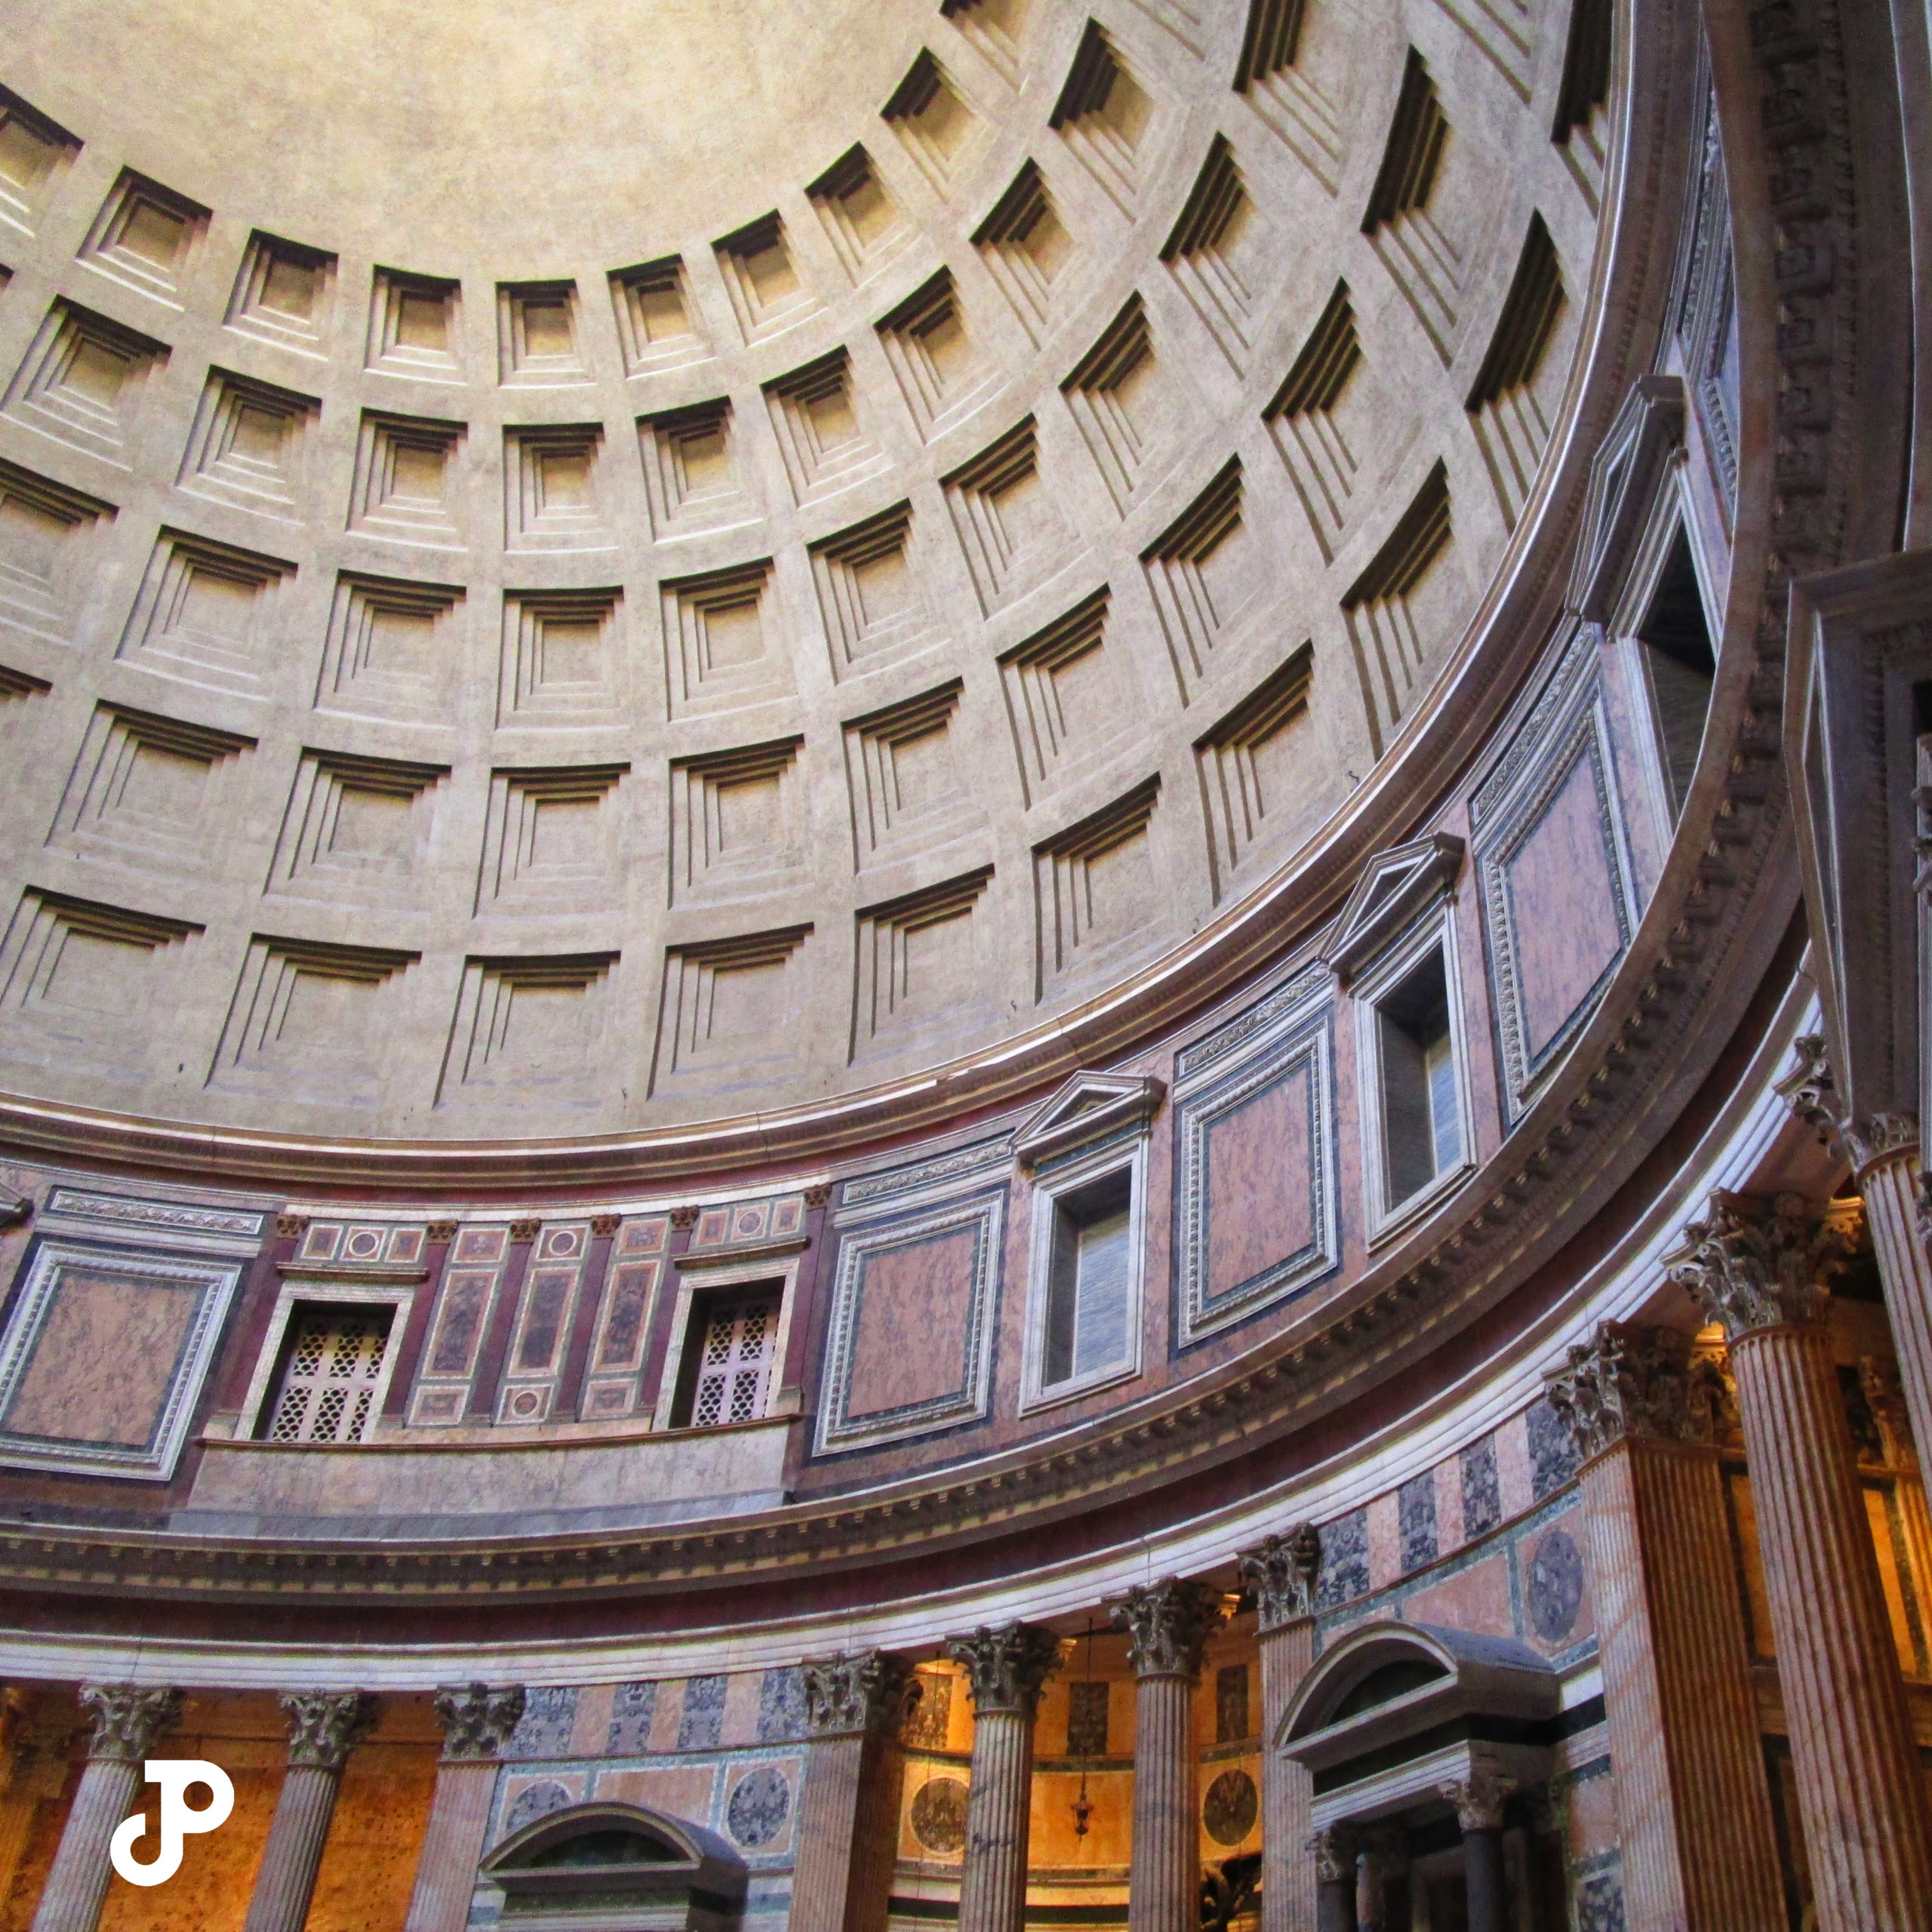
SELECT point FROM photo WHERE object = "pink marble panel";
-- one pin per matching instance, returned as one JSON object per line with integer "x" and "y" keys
{"x": 1258, "y": 1207}
{"x": 104, "y": 1359}
{"x": 910, "y": 1344}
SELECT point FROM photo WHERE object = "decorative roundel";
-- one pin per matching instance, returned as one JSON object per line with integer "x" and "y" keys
{"x": 534, "y": 1801}
{"x": 1556, "y": 1586}
{"x": 760, "y": 1802}
{"x": 1231, "y": 1808}
{"x": 939, "y": 1816}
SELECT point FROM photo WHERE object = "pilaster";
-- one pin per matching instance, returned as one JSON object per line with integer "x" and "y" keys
{"x": 1280, "y": 1572}
{"x": 848, "y": 1809}
{"x": 478, "y": 1720}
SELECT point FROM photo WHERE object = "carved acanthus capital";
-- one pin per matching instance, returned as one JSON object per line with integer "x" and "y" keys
{"x": 1333, "y": 1852}
{"x": 324, "y": 1725}
{"x": 865, "y": 1691}
{"x": 1628, "y": 1381}
{"x": 1282, "y": 1570}
{"x": 1750, "y": 1267}
{"x": 1809, "y": 1089}
{"x": 127, "y": 1719}
{"x": 1006, "y": 1667}
{"x": 1872, "y": 1139}
{"x": 1167, "y": 1625}
{"x": 1479, "y": 1798}
{"x": 478, "y": 1719}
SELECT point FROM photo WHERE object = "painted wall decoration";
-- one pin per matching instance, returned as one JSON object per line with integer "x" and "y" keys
{"x": 939, "y": 1816}
{"x": 909, "y": 1347}
{"x": 1257, "y": 1214}
{"x": 104, "y": 1354}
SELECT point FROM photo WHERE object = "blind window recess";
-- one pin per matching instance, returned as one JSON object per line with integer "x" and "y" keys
{"x": 332, "y": 1367}
{"x": 1089, "y": 1280}
{"x": 1421, "y": 1125}
{"x": 731, "y": 1351}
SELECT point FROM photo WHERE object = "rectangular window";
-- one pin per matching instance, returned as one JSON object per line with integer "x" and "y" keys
{"x": 331, "y": 1374}
{"x": 1679, "y": 665}
{"x": 731, "y": 1354}
{"x": 1089, "y": 1280}
{"x": 1421, "y": 1112}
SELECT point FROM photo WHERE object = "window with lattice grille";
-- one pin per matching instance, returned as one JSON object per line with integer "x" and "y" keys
{"x": 331, "y": 1376}
{"x": 729, "y": 1358}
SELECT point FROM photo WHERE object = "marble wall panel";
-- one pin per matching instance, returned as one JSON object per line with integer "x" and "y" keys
{"x": 909, "y": 1344}
{"x": 104, "y": 1354}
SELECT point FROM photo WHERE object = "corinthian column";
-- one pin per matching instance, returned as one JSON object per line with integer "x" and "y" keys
{"x": 1670, "y": 1639}
{"x": 1332, "y": 1854}
{"x": 1005, "y": 1670}
{"x": 1167, "y": 1627}
{"x": 1860, "y": 1792}
{"x": 478, "y": 1719}
{"x": 1281, "y": 1572}
{"x": 1884, "y": 1152}
{"x": 324, "y": 1726}
{"x": 127, "y": 1720}
{"x": 1479, "y": 1800}
{"x": 848, "y": 1810}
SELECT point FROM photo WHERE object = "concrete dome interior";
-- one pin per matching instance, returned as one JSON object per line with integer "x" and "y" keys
{"x": 963, "y": 964}
{"x": 688, "y": 574}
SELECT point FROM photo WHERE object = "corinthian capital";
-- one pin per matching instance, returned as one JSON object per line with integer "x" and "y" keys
{"x": 128, "y": 1718}
{"x": 1334, "y": 1854}
{"x": 1627, "y": 1381}
{"x": 1007, "y": 1668}
{"x": 1750, "y": 1267}
{"x": 478, "y": 1719}
{"x": 1873, "y": 1138}
{"x": 324, "y": 1725}
{"x": 1809, "y": 1090}
{"x": 864, "y": 1691}
{"x": 1281, "y": 1571}
{"x": 1479, "y": 1798}
{"x": 1167, "y": 1625}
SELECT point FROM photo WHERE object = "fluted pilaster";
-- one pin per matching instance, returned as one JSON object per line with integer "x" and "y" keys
{"x": 1168, "y": 1625}
{"x": 848, "y": 1809}
{"x": 1861, "y": 1795}
{"x": 128, "y": 1718}
{"x": 1281, "y": 1571}
{"x": 325, "y": 1727}
{"x": 1005, "y": 1671}
{"x": 478, "y": 1719}
{"x": 1670, "y": 1633}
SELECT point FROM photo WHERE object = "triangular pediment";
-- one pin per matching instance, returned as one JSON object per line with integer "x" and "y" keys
{"x": 1090, "y": 1107}
{"x": 1395, "y": 886}
{"x": 1622, "y": 481}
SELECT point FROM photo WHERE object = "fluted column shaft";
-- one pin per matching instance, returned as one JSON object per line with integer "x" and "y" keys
{"x": 1168, "y": 1625}
{"x": 1682, "y": 1719}
{"x": 1006, "y": 1669}
{"x": 1859, "y": 1787}
{"x": 848, "y": 1808}
{"x": 993, "y": 1885}
{"x": 478, "y": 1720}
{"x": 1165, "y": 1882}
{"x": 1889, "y": 1183}
{"x": 1288, "y": 1789}
{"x": 326, "y": 1728}
{"x": 128, "y": 1721}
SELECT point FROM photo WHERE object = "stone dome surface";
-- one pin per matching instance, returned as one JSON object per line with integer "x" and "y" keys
{"x": 573, "y": 575}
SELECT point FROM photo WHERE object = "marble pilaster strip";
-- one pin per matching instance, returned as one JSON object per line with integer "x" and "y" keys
{"x": 827, "y": 1833}
{"x": 452, "y": 1846}
{"x": 1683, "y": 1721}
{"x": 1861, "y": 1792}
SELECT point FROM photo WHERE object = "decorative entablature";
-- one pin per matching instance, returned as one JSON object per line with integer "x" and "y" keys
{"x": 1086, "y": 1109}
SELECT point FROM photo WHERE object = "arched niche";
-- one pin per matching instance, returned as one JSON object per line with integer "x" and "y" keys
{"x": 1420, "y": 1742}
{"x": 612, "y": 1868}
